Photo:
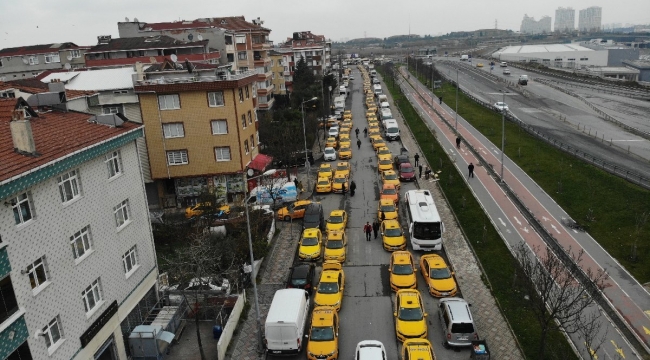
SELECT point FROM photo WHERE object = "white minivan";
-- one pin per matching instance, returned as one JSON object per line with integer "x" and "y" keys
{"x": 391, "y": 130}
{"x": 286, "y": 321}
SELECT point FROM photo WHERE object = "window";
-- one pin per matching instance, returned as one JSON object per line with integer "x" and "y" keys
{"x": 21, "y": 206}
{"x": 52, "y": 57}
{"x": 169, "y": 102}
{"x": 241, "y": 39}
{"x": 242, "y": 55}
{"x": 248, "y": 95}
{"x": 243, "y": 121}
{"x": 215, "y": 99}
{"x": 173, "y": 130}
{"x": 246, "y": 149}
{"x": 241, "y": 95}
{"x": 219, "y": 127}
{"x": 80, "y": 243}
{"x": 69, "y": 186}
{"x": 121, "y": 213}
{"x": 222, "y": 153}
{"x": 37, "y": 273}
{"x": 130, "y": 260}
{"x": 111, "y": 109}
{"x": 114, "y": 163}
{"x": 250, "y": 117}
{"x": 33, "y": 60}
{"x": 52, "y": 333}
{"x": 92, "y": 296}
{"x": 75, "y": 54}
{"x": 252, "y": 142}
{"x": 120, "y": 92}
{"x": 177, "y": 157}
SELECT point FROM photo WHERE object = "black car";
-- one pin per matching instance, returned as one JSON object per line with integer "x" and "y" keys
{"x": 302, "y": 277}
{"x": 313, "y": 217}
{"x": 400, "y": 159}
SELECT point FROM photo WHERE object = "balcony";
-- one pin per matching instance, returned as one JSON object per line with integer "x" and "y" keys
{"x": 147, "y": 59}
{"x": 13, "y": 334}
{"x": 262, "y": 45}
{"x": 261, "y": 60}
{"x": 265, "y": 91}
{"x": 230, "y": 48}
{"x": 266, "y": 105}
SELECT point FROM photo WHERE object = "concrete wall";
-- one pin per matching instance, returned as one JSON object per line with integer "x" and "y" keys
{"x": 231, "y": 325}
{"x": 616, "y": 56}
{"x": 48, "y": 234}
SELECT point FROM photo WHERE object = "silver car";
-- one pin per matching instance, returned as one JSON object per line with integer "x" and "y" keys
{"x": 501, "y": 106}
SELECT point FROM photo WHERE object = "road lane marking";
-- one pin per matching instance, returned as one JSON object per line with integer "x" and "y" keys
{"x": 618, "y": 349}
{"x": 502, "y": 222}
{"x": 592, "y": 352}
{"x": 517, "y": 220}
{"x": 525, "y": 229}
{"x": 545, "y": 218}
{"x": 558, "y": 231}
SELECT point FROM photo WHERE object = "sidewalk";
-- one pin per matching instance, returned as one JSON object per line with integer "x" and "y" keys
{"x": 490, "y": 323}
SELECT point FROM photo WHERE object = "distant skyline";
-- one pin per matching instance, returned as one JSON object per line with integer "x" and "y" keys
{"x": 81, "y": 21}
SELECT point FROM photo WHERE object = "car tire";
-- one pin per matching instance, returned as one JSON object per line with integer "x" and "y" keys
{"x": 287, "y": 218}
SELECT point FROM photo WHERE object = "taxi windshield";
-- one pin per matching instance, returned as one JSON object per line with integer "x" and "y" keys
{"x": 340, "y": 180}
{"x": 328, "y": 288}
{"x": 387, "y": 208}
{"x": 390, "y": 176}
{"x": 402, "y": 269}
{"x": 322, "y": 333}
{"x": 335, "y": 244}
{"x": 393, "y": 232}
{"x": 336, "y": 219}
{"x": 410, "y": 314}
{"x": 310, "y": 241}
{"x": 443, "y": 273}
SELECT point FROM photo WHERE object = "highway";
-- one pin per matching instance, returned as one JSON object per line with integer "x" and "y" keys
{"x": 627, "y": 296}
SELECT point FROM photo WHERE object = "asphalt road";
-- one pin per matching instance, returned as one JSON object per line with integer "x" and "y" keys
{"x": 544, "y": 109}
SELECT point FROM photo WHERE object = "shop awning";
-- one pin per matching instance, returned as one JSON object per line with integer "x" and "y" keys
{"x": 260, "y": 162}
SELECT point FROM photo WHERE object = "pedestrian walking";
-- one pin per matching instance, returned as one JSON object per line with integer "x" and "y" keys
{"x": 420, "y": 168}
{"x": 343, "y": 189}
{"x": 353, "y": 187}
{"x": 417, "y": 159}
{"x": 427, "y": 173}
{"x": 356, "y": 131}
{"x": 458, "y": 142}
{"x": 358, "y": 143}
{"x": 375, "y": 227}
{"x": 367, "y": 229}
{"x": 471, "y": 170}
{"x": 365, "y": 132}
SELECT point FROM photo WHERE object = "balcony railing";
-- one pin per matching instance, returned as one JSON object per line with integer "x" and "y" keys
{"x": 227, "y": 76}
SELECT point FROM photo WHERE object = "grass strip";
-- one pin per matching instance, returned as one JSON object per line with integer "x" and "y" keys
{"x": 490, "y": 248}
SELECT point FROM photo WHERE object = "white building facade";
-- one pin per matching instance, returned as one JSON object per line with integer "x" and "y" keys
{"x": 565, "y": 20}
{"x": 590, "y": 19}
{"x": 530, "y": 26}
{"x": 76, "y": 248}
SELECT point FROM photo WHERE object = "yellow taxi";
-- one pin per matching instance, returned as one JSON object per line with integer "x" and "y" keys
{"x": 198, "y": 209}
{"x": 343, "y": 167}
{"x": 324, "y": 185}
{"x": 372, "y": 122}
{"x": 374, "y": 135}
{"x": 345, "y": 137}
{"x": 390, "y": 177}
{"x": 330, "y": 285}
{"x": 384, "y": 151}
{"x": 420, "y": 349}
{"x": 339, "y": 181}
{"x": 388, "y": 191}
{"x": 347, "y": 124}
{"x": 347, "y": 114}
{"x": 370, "y": 113}
{"x": 335, "y": 245}
{"x": 323, "y": 334}
{"x": 410, "y": 317}
{"x": 337, "y": 221}
{"x": 392, "y": 236}
{"x": 388, "y": 209}
{"x": 373, "y": 108}
{"x": 437, "y": 275}
{"x": 345, "y": 151}
{"x": 345, "y": 143}
{"x": 384, "y": 163}
{"x": 310, "y": 244}
{"x": 377, "y": 143}
{"x": 346, "y": 128}
{"x": 402, "y": 271}
{"x": 479, "y": 65}
{"x": 331, "y": 142}
{"x": 296, "y": 210}
{"x": 373, "y": 127}
{"x": 325, "y": 170}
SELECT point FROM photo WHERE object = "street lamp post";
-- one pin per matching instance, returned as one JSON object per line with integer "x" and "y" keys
{"x": 457, "y": 86}
{"x": 304, "y": 134}
{"x": 260, "y": 347}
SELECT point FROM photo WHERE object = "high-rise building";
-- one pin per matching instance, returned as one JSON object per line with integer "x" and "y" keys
{"x": 590, "y": 19}
{"x": 565, "y": 19}
{"x": 530, "y": 26}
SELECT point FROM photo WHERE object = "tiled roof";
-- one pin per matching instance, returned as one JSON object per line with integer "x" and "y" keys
{"x": 69, "y": 94}
{"x": 37, "y": 49}
{"x": 56, "y": 134}
{"x": 138, "y": 43}
{"x": 235, "y": 23}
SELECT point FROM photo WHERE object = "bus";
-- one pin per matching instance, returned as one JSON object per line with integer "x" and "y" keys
{"x": 425, "y": 225}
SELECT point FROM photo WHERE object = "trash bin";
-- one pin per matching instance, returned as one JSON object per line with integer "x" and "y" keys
{"x": 480, "y": 350}
{"x": 216, "y": 331}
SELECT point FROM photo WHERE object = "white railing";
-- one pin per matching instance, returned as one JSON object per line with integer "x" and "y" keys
{"x": 228, "y": 76}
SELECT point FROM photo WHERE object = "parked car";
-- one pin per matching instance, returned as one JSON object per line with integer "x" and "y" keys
{"x": 501, "y": 106}
{"x": 333, "y": 131}
{"x": 329, "y": 154}
{"x": 197, "y": 288}
{"x": 406, "y": 172}
{"x": 401, "y": 159}
{"x": 302, "y": 276}
{"x": 371, "y": 350}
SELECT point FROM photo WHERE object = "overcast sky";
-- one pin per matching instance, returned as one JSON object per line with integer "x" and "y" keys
{"x": 81, "y": 21}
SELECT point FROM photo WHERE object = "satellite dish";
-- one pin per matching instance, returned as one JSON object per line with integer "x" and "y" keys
{"x": 200, "y": 37}
{"x": 135, "y": 20}
{"x": 25, "y": 61}
{"x": 126, "y": 19}
{"x": 67, "y": 66}
{"x": 174, "y": 57}
{"x": 69, "y": 57}
{"x": 152, "y": 60}
{"x": 251, "y": 172}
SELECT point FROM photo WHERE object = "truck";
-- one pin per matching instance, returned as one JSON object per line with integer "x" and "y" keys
{"x": 273, "y": 194}
{"x": 464, "y": 57}
{"x": 339, "y": 103}
{"x": 286, "y": 322}
{"x": 523, "y": 80}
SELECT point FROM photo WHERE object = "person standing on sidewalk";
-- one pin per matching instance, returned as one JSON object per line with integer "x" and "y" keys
{"x": 420, "y": 168}
{"x": 417, "y": 159}
{"x": 375, "y": 227}
{"x": 367, "y": 229}
{"x": 471, "y": 170}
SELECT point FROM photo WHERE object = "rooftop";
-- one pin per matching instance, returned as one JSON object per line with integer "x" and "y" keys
{"x": 34, "y": 88}
{"x": 543, "y": 48}
{"x": 234, "y": 23}
{"x": 141, "y": 43}
{"x": 37, "y": 49}
{"x": 57, "y": 134}
{"x": 97, "y": 80}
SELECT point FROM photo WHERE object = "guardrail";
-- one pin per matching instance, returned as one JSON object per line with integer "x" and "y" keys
{"x": 560, "y": 252}
{"x": 612, "y": 168}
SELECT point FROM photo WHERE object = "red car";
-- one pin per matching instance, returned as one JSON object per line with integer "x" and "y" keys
{"x": 406, "y": 172}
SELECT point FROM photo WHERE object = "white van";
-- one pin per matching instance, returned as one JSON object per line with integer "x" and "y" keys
{"x": 286, "y": 321}
{"x": 385, "y": 114}
{"x": 391, "y": 130}
{"x": 384, "y": 104}
{"x": 382, "y": 98}
{"x": 377, "y": 90}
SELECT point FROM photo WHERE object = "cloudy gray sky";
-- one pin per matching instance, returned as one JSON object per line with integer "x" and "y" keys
{"x": 80, "y": 21}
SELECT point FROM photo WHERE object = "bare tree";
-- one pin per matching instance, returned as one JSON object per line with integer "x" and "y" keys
{"x": 591, "y": 330}
{"x": 557, "y": 299}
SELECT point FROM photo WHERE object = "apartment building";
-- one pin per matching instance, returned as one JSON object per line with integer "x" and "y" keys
{"x": 29, "y": 61}
{"x": 246, "y": 45}
{"x": 565, "y": 20}
{"x": 530, "y": 26}
{"x": 201, "y": 130}
{"x": 282, "y": 78}
{"x": 315, "y": 49}
{"x": 120, "y": 52}
{"x": 590, "y": 19}
{"x": 77, "y": 257}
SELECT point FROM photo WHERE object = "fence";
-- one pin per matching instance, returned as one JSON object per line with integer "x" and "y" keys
{"x": 231, "y": 325}
{"x": 552, "y": 242}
